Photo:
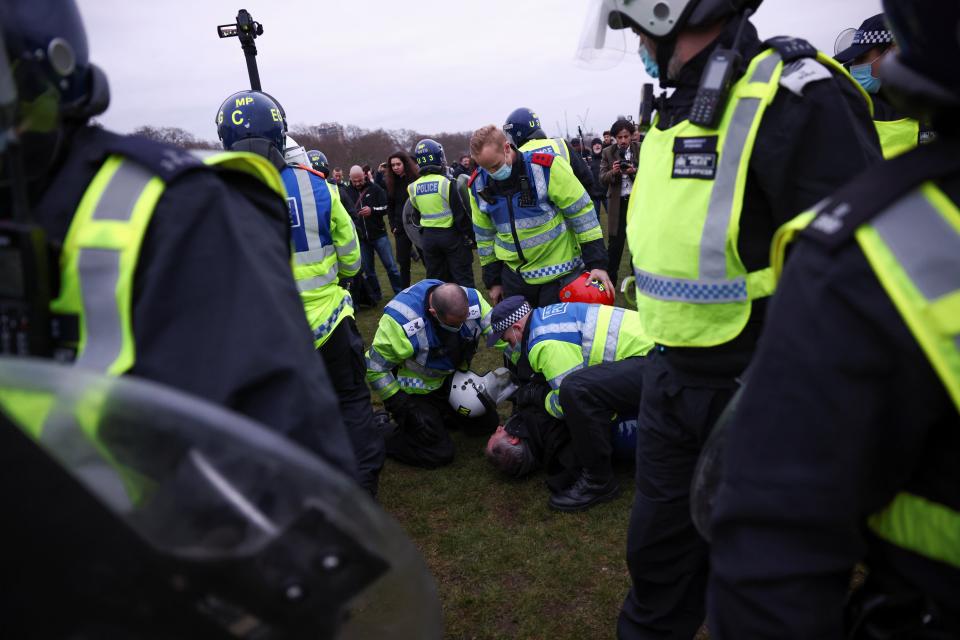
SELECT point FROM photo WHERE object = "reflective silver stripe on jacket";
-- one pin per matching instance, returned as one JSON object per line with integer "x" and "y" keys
{"x": 925, "y": 245}
{"x": 556, "y": 381}
{"x": 578, "y": 205}
{"x": 311, "y": 256}
{"x": 545, "y": 237}
{"x": 613, "y": 335}
{"x": 713, "y": 258}
{"x": 416, "y": 367}
{"x": 98, "y": 271}
{"x": 345, "y": 251}
{"x": 377, "y": 362}
{"x": 309, "y": 284}
{"x": 382, "y": 383}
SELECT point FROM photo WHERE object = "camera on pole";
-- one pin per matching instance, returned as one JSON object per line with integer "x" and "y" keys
{"x": 247, "y": 29}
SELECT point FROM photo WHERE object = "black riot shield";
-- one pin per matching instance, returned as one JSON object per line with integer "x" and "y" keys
{"x": 133, "y": 510}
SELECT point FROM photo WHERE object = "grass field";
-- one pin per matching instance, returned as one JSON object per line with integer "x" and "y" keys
{"x": 506, "y": 566}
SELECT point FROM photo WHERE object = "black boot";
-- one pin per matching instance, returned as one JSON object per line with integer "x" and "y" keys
{"x": 587, "y": 491}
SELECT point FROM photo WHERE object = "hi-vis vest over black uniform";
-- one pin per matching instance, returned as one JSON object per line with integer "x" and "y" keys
{"x": 181, "y": 274}
{"x": 850, "y": 421}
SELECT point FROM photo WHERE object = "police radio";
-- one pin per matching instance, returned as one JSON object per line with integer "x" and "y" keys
{"x": 714, "y": 89}
{"x": 646, "y": 105}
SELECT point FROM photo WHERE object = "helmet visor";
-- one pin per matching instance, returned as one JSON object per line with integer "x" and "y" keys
{"x": 600, "y": 46}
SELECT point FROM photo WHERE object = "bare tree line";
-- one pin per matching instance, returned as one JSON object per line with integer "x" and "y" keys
{"x": 343, "y": 145}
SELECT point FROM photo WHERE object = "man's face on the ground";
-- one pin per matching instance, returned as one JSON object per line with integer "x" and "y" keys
{"x": 493, "y": 156}
{"x": 501, "y": 435}
{"x": 397, "y": 166}
{"x": 623, "y": 138}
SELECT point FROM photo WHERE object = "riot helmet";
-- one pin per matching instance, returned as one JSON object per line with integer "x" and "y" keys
{"x": 253, "y": 121}
{"x": 46, "y": 78}
{"x": 428, "y": 153}
{"x": 522, "y": 125}
{"x": 319, "y": 162}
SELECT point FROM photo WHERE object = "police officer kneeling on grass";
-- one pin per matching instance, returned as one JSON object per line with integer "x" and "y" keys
{"x": 844, "y": 446}
{"x": 535, "y": 224}
{"x": 446, "y": 232}
{"x": 325, "y": 249}
{"x": 427, "y": 332}
{"x": 590, "y": 357}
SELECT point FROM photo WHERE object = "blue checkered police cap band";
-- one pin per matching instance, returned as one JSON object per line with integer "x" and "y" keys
{"x": 872, "y": 37}
{"x": 516, "y": 316}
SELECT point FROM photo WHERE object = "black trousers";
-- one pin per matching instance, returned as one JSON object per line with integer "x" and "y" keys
{"x": 404, "y": 250}
{"x": 538, "y": 295}
{"x": 403, "y": 448}
{"x": 590, "y": 398}
{"x": 617, "y": 238}
{"x": 446, "y": 257}
{"x": 666, "y": 556}
{"x": 342, "y": 354}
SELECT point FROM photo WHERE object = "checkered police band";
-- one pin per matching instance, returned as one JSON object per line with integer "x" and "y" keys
{"x": 516, "y": 316}
{"x": 872, "y": 37}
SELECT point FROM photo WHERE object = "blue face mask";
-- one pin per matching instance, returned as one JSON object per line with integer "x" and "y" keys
{"x": 649, "y": 63}
{"x": 863, "y": 74}
{"x": 447, "y": 327}
{"x": 503, "y": 172}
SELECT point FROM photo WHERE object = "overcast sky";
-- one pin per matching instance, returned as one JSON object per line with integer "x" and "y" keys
{"x": 429, "y": 66}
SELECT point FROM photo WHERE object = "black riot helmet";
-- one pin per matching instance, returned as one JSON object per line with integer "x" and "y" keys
{"x": 46, "y": 78}
{"x": 922, "y": 77}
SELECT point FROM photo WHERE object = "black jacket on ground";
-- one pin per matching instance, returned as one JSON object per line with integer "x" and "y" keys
{"x": 216, "y": 312}
{"x": 806, "y": 148}
{"x": 841, "y": 410}
{"x": 371, "y": 227}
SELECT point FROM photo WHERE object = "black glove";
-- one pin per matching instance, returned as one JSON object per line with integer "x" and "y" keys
{"x": 531, "y": 395}
{"x": 399, "y": 405}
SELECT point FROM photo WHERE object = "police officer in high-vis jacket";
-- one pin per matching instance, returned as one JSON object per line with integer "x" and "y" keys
{"x": 590, "y": 355}
{"x": 535, "y": 225}
{"x": 171, "y": 268}
{"x": 427, "y": 332}
{"x": 524, "y": 131}
{"x": 446, "y": 232}
{"x": 754, "y": 133}
{"x": 844, "y": 445}
{"x": 870, "y": 44}
{"x": 325, "y": 249}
